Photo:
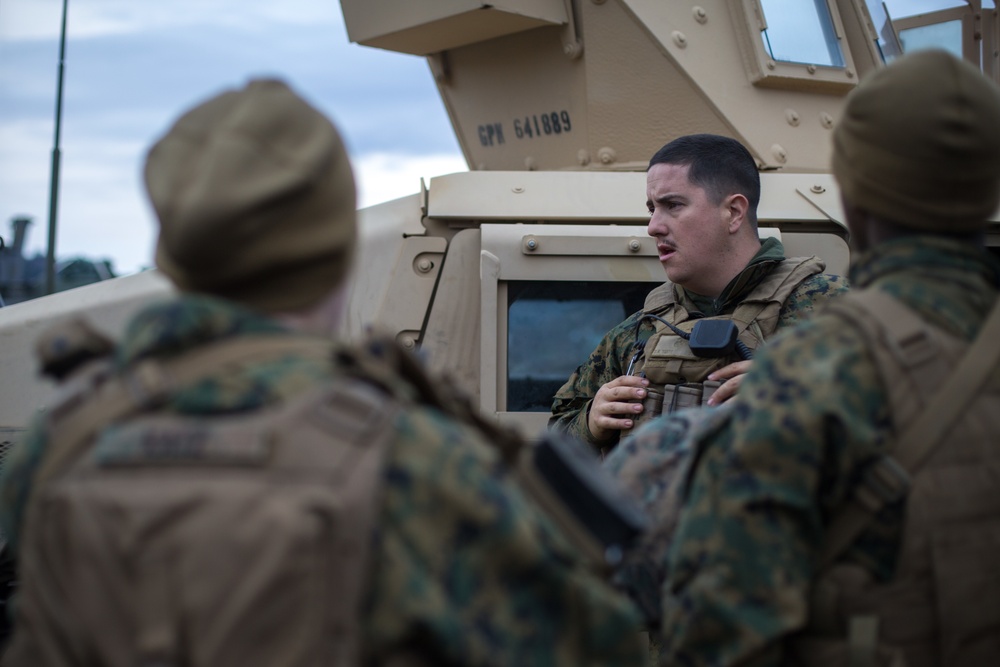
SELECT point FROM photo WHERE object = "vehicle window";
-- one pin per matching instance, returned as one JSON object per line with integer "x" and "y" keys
{"x": 552, "y": 327}
{"x": 801, "y": 32}
{"x": 925, "y": 24}
{"x": 947, "y": 36}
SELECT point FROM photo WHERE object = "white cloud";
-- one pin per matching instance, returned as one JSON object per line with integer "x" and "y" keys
{"x": 383, "y": 176}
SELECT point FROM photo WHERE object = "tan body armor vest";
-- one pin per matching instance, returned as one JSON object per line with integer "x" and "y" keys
{"x": 942, "y": 608}
{"x": 221, "y": 540}
{"x": 677, "y": 376}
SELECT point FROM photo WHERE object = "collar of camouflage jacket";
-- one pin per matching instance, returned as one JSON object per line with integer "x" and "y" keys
{"x": 188, "y": 321}
{"x": 928, "y": 253}
{"x": 165, "y": 330}
{"x": 771, "y": 252}
{"x": 951, "y": 283}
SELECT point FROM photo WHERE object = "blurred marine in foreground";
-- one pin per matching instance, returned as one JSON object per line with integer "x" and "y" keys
{"x": 843, "y": 508}
{"x": 232, "y": 487}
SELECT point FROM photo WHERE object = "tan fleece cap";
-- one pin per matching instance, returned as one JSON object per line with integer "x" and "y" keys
{"x": 919, "y": 144}
{"x": 255, "y": 198}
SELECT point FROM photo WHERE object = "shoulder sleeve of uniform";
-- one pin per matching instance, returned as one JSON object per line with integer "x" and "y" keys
{"x": 811, "y": 294}
{"x": 608, "y": 361}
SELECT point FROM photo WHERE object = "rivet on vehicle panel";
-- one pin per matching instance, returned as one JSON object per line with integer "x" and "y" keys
{"x": 811, "y": 69}
{"x": 407, "y": 341}
{"x": 606, "y": 155}
{"x": 826, "y": 120}
{"x": 517, "y": 189}
{"x": 779, "y": 153}
{"x": 850, "y": 74}
{"x": 634, "y": 245}
{"x": 425, "y": 265}
{"x": 792, "y": 117}
{"x": 583, "y": 157}
{"x": 679, "y": 38}
{"x": 771, "y": 64}
{"x": 699, "y": 14}
{"x": 817, "y": 189}
{"x": 531, "y": 244}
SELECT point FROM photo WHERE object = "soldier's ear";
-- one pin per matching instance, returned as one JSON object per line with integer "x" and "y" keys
{"x": 736, "y": 207}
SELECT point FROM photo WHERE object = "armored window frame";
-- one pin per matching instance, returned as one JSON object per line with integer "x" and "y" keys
{"x": 548, "y": 253}
{"x": 766, "y": 72}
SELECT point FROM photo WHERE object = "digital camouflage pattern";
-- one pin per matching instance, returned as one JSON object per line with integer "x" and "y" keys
{"x": 776, "y": 462}
{"x": 463, "y": 564}
{"x": 610, "y": 359}
{"x": 652, "y": 466}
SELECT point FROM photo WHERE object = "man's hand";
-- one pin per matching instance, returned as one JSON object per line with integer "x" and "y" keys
{"x": 731, "y": 377}
{"x": 611, "y": 410}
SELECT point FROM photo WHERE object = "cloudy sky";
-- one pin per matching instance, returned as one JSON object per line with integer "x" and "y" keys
{"x": 131, "y": 67}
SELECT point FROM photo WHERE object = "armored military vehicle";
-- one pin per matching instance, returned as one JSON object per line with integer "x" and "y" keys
{"x": 507, "y": 275}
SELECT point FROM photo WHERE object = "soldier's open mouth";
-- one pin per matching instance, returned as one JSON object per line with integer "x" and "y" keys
{"x": 666, "y": 252}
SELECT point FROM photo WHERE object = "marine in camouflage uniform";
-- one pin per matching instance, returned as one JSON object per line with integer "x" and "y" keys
{"x": 702, "y": 192}
{"x": 746, "y": 493}
{"x": 611, "y": 358}
{"x": 465, "y": 568}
